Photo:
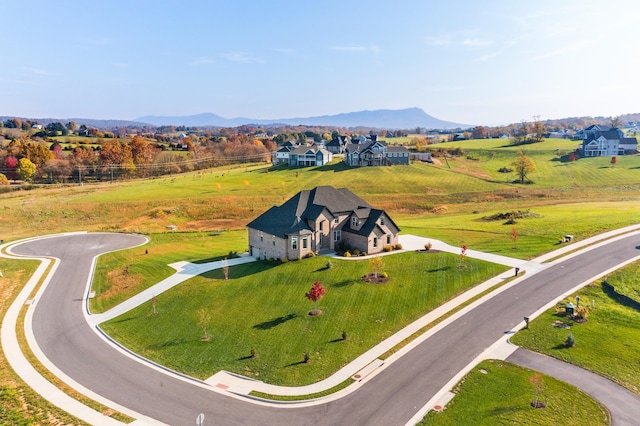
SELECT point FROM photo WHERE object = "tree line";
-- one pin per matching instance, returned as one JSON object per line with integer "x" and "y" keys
{"x": 33, "y": 160}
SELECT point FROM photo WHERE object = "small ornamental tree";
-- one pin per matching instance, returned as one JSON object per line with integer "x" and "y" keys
{"x": 153, "y": 305}
{"x": 514, "y": 236}
{"x": 225, "y": 268}
{"x": 463, "y": 254}
{"x": 538, "y": 384}
{"x": 376, "y": 265}
{"x": 614, "y": 160}
{"x": 204, "y": 318}
{"x": 314, "y": 294}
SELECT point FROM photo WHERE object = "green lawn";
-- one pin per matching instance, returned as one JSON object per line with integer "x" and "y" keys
{"x": 607, "y": 344}
{"x": 147, "y": 265}
{"x": 263, "y": 307}
{"x": 500, "y": 393}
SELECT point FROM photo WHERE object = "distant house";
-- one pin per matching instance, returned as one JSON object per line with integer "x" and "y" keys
{"x": 375, "y": 153}
{"x": 304, "y": 156}
{"x": 601, "y": 143}
{"x": 320, "y": 219}
{"x": 337, "y": 144}
{"x": 281, "y": 155}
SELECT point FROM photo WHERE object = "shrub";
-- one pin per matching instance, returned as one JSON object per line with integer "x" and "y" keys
{"x": 505, "y": 170}
{"x": 310, "y": 254}
{"x": 356, "y": 252}
{"x": 384, "y": 275}
{"x": 387, "y": 248}
{"x": 364, "y": 253}
{"x": 398, "y": 246}
{"x": 569, "y": 341}
{"x": 581, "y": 312}
{"x": 427, "y": 246}
{"x": 347, "y": 254}
{"x": 285, "y": 260}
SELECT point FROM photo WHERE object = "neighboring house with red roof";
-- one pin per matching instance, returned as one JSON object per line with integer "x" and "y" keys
{"x": 317, "y": 220}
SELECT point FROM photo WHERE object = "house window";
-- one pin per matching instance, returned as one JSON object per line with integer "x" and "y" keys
{"x": 388, "y": 239}
{"x": 337, "y": 219}
{"x": 304, "y": 242}
{"x": 321, "y": 225}
{"x": 354, "y": 221}
{"x": 273, "y": 239}
{"x": 336, "y": 235}
{"x": 261, "y": 237}
{"x": 294, "y": 243}
{"x": 381, "y": 220}
{"x": 375, "y": 241}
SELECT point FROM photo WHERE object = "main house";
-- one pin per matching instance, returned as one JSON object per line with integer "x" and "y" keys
{"x": 319, "y": 219}
{"x": 375, "y": 153}
{"x": 599, "y": 141}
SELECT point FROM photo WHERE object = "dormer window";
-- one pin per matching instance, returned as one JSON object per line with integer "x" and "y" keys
{"x": 354, "y": 222}
{"x": 382, "y": 220}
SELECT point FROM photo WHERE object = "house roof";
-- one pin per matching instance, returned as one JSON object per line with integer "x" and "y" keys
{"x": 294, "y": 216}
{"x": 397, "y": 149}
{"x": 305, "y": 149}
{"x": 371, "y": 216}
{"x": 361, "y": 147}
{"x": 610, "y": 134}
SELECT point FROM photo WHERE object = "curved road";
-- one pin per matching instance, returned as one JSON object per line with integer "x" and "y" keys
{"x": 392, "y": 397}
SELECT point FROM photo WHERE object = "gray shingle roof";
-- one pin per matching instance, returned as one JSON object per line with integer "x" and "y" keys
{"x": 295, "y": 214}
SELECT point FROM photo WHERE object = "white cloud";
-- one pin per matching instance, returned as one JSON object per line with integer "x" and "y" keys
{"x": 356, "y": 48}
{"x": 243, "y": 57}
{"x": 442, "y": 40}
{"x": 285, "y": 51}
{"x": 37, "y": 71}
{"x": 583, "y": 44}
{"x": 475, "y": 42}
{"x": 201, "y": 60}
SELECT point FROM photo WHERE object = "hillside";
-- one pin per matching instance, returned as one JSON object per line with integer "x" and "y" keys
{"x": 383, "y": 119}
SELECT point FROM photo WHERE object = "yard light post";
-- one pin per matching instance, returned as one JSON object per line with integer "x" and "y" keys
{"x": 526, "y": 322}
{"x": 577, "y": 301}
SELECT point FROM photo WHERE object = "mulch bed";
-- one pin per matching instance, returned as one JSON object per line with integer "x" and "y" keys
{"x": 373, "y": 279}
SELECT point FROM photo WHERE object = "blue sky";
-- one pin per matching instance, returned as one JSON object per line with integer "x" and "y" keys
{"x": 472, "y": 62}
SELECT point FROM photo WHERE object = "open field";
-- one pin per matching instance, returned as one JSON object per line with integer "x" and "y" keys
{"x": 262, "y": 306}
{"x": 499, "y": 393}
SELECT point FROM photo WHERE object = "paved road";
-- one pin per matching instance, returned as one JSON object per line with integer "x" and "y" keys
{"x": 392, "y": 397}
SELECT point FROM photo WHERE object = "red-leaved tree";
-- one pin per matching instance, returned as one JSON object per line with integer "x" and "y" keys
{"x": 316, "y": 293}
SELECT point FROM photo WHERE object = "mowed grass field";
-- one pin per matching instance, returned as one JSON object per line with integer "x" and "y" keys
{"x": 263, "y": 307}
{"x": 499, "y": 393}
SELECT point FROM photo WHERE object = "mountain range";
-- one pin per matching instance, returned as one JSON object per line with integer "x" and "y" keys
{"x": 408, "y": 118}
